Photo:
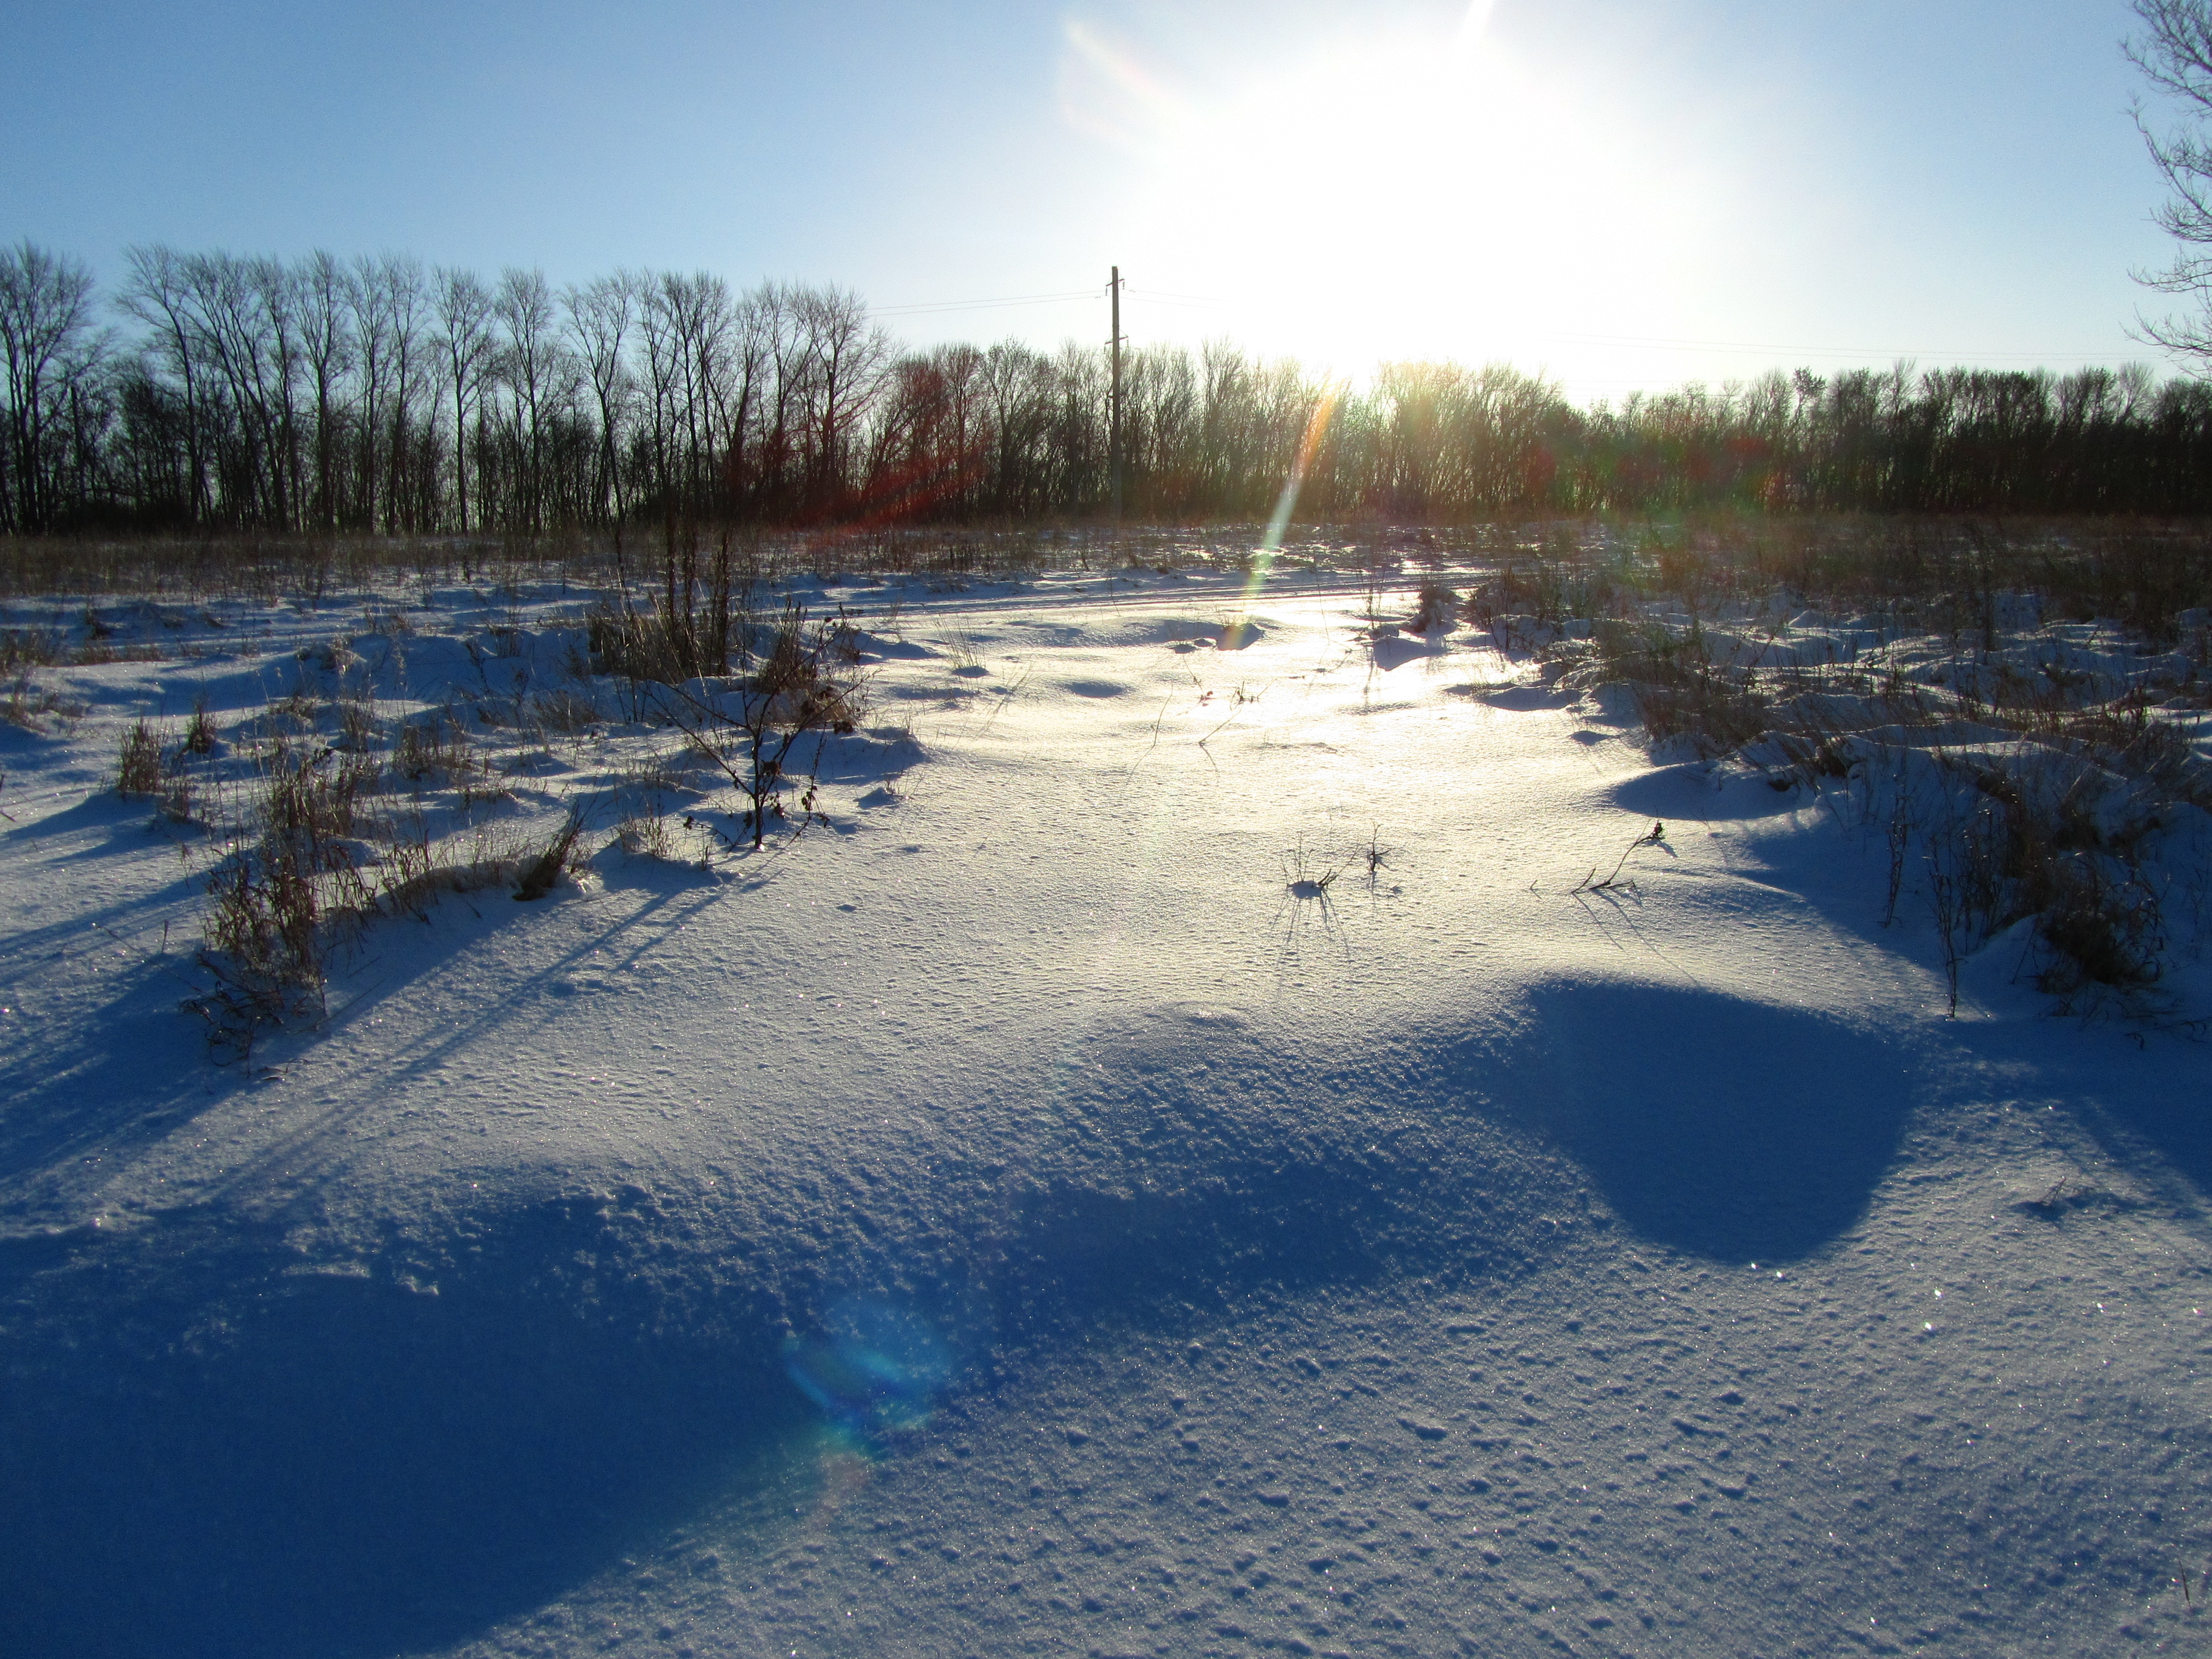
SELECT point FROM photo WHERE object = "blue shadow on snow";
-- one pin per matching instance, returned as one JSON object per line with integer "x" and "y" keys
{"x": 1724, "y": 1128}
{"x": 233, "y": 1459}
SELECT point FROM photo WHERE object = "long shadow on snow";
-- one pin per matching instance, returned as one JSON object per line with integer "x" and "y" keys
{"x": 145, "y": 1070}
{"x": 1710, "y": 1124}
{"x": 70, "y": 1111}
{"x": 210, "y": 1450}
{"x": 215, "y": 1443}
{"x": 231, "y": 1460}
{"x": 1217, "y": 1159}
{"x": 1720, "y": 1127}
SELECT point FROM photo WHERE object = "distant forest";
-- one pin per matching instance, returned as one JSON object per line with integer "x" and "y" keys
{"x": 209, "y": 391}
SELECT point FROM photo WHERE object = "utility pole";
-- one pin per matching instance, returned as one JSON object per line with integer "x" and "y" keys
{"x": 1113, "y": 417}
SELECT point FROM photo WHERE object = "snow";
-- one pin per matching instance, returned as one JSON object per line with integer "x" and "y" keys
{"x": 1070, "y": 1199}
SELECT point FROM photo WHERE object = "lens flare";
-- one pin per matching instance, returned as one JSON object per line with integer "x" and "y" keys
{"x": 873, "y": 1367}
{"x": 1263, "y": 560}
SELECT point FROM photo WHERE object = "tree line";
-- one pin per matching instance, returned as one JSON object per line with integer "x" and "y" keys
{"x": 210, "y": 391}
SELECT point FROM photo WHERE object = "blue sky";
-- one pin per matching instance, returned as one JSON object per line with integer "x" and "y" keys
{"x": 1623, "y": 194}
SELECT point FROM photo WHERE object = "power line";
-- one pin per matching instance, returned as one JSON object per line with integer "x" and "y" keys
{"x": 1180, "y": 298}
{"x": 983, "y": 304}
{"x": 1635, "y": 342}
{"x": 1661, "y": 343}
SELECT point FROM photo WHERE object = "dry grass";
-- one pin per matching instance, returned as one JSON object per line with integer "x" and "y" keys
{"x": 318, "y": 849}
{"x": 2009, "y": 783}
{"x": 138, "y": 761}
{"x": 547, "y": 867}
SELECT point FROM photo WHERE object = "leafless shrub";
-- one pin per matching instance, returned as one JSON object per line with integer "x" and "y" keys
{"x": 266, "y": 945}
{"x": 1678, "y": 689}
{"x": 145, "y": 768}
{"x": 413, "y": 870}
{"x": 267, "y": 938}
{"x": 547, "y": 867}
{"x": 310, "y": 865}
{"x": 804, "y": 684}
{"x": 434, "y": 746}
{"x": 28, "y": 701}
{"x": 2038, "y": 850}
{"x": 315, "y": 795}
{"x": 633, "y": 645}
{"x": 30, "y": 648}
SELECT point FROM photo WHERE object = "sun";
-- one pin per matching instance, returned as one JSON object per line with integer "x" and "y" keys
{"x": 1392, "y": 194}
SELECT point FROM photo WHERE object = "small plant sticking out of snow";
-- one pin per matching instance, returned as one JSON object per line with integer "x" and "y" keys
{"x": 141, "y": 769}
{"x": 647, "y": 833}
{"x": 199, "y": 730}
{"x": 1305, "y": 878}
{"x": 434, "y": 748}
{"x": 803, "y": 684}
{"x": 960, "y": 650}
{"x": 1305, "y": 902}
{"x": 546, "y": 868}
{"x": 138, "y": 761}
{"x": 1436, "y": 605}
{"x": 1373, "y": 854}
{"x": 1655, "y": 836}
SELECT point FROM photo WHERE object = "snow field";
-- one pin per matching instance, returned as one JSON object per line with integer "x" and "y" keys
{"x": 1019, "y": 1216}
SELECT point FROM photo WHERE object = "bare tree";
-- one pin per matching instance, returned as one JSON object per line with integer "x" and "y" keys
{"x": 328, "y": 345}
{"x": 465, "y": 349}
{"x": 404, "y": 305}
{"x": 790, "y": 365}
{"x": 277, "y": 294}
{"x": 2175, "y": 57}
{"x": 46, "y": 316}
{"x": 1018, "y": 384}
{"x": 531, "y": 359}
{"x": 849, "y": 354}
{"x": 239, "y": 314}
{"x": 746, "y": 365}
{"x": 157, "y": 294}
{"x": 698, "y": 308}
{"x": 372, "y": 333}
{"x": 601, "y": 318}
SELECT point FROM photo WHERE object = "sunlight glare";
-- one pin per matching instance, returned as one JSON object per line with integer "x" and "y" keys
{"x": 1402, "y": 193}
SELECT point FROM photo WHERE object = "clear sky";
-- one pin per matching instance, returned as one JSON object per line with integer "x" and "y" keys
{"x": 1623, "y": 193}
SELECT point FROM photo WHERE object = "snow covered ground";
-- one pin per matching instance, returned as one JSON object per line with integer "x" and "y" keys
{"x": 1168, "y": 1165}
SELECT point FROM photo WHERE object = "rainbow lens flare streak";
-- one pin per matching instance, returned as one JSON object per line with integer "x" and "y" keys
{"x": 1263, "y": 562}
{"x": 873, "y": 1368}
